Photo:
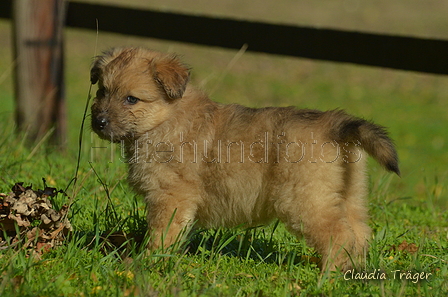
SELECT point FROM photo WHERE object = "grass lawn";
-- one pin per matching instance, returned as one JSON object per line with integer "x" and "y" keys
{"x": 409, "y": 215}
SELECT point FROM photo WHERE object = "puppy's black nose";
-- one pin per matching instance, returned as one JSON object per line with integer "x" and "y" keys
{"x": 100, "y": 122}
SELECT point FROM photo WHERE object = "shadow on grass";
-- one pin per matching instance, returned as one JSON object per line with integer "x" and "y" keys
{"x": 246, "y": 244}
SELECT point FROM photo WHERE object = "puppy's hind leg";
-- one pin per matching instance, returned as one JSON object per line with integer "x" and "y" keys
{"x": 318, "y": 211}
{"x": 355, "y": 194}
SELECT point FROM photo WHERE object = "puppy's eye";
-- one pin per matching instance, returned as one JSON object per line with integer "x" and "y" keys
{"x": 132, "y": 100}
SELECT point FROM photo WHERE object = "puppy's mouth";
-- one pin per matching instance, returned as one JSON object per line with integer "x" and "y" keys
{"x": 105, "y": 130}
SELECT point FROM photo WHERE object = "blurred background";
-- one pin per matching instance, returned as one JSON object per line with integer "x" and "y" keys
{"x": 412, "y": 105}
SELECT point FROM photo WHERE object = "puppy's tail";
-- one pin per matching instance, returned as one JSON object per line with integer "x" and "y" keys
{"x": 373, "y": 138}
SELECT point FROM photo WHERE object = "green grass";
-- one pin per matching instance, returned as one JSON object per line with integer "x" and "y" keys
{"x": 265, "y": 261}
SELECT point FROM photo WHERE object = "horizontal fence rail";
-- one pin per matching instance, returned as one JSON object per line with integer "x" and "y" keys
{"x": 397, "y": 52}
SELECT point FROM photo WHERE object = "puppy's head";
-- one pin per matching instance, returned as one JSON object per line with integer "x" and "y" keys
{"x": 136, "y": 90}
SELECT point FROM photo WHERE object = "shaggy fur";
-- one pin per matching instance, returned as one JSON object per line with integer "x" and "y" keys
{"x": 200, "y": 162}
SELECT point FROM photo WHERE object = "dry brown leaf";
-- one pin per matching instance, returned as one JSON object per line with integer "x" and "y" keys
{"x": 404, "y": 246}
{"x": 37, "y": 221}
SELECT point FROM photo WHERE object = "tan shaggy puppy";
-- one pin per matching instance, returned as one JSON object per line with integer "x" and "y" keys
{"x": 200, "y": 162}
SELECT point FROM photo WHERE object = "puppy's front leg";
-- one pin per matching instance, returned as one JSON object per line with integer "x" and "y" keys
{"x": 168, "y": 221}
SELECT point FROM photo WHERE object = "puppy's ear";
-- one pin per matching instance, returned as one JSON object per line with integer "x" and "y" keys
{"x": 172, "y": 75}
{"x": 101, "y": 61}
{"x": 98, "y": 65}
{"x": 95, "y": 72}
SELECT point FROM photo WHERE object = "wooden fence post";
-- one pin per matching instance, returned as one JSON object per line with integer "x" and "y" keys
{"x": 39, "y": 80}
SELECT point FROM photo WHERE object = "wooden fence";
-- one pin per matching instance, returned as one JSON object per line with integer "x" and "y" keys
{"x": 398, "y": 52}
{"x": 38, "y": 50}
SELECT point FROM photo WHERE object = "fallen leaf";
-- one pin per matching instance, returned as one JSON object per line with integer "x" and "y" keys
{"x": 404, "y": 246}
{"x": 31, "y": 214}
